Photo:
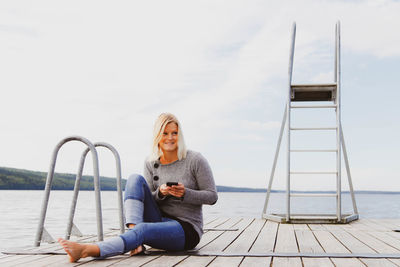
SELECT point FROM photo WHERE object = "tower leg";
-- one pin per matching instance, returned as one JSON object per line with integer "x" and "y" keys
{"x": 271, "y": 178}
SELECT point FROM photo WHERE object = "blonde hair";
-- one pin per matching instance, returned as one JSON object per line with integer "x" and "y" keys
{"x": 159, "y": 128}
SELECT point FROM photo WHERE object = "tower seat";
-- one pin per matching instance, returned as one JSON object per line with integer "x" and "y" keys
{"x": 313, "y": 92}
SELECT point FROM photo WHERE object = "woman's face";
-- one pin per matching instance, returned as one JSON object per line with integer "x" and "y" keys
{"x": 169, "y": 138}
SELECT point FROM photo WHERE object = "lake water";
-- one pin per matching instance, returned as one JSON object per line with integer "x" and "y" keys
{"x": 20, "y": 210}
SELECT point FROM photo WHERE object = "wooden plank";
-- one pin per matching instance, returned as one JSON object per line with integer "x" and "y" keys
{"x": 378, "y": 263}
{"x": 12, "y": 258}
{"x": 29, "y": 259}
{"x": 359, "y": 225}
{"x": 241, "y": 244}
{"x": 286, "y": 242}
{"x": 331, "y": 245}
{"x": 22, "y": 260}
{"x": 209, "y": 220}
{"x": 360, "y": 242}
{"x": 316, "y": 227}
{"x": 228, "y": 237}
{"x": 211, "y": 235}
{"x": 226, "y": 261}
{"x": 223, "y": 241}
{"x": 196, "y": 261}
{"x": 208, "y": 238}
{"x": 286, "y": 239}
{"x": 217, "y": 222}
{"x": 352, "y": 243}
{"x": 26, "y": 258}
{"x": 300, "y": 226}
{"x": 256, "y": 261}
{"x": 395, "y": 261}
{"x": 289, "y": 262}
{"x": 387, "y": 239}
{"x": 135, "y": 261}
{"x": 356, "y": 246}
{"x": 337, "y": 227}
{"x": 385, "y": 223}
{"x": 390, "y": 223}
{"x": 374, "y": 243}
{"x": 104, "y": 262}
{"x": 347, "y": 262}
{"x": 307, "y": 242}
{"x": 375, "y": 225}
{"x": 54, "y": 259}
{"x": 246, "y": 238}
{"x": 265, "y": 241}
{"x": 317, "y": 262}
{"x": 166, "y": 261}
{"x": 395, "y": 235}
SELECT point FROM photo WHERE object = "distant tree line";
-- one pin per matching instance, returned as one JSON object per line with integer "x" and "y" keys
{"x": 18, "y": 179}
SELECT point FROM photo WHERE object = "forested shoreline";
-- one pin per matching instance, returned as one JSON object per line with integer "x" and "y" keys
{"x": 20, "y": 179}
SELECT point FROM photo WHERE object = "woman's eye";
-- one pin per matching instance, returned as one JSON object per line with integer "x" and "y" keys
{"x": 175, "y": 133}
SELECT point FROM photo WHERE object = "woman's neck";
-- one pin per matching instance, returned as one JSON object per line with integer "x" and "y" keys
{"x": 169, "y": 157}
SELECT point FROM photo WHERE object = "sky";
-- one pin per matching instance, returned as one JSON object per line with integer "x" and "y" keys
{"x": 105, "y": 70}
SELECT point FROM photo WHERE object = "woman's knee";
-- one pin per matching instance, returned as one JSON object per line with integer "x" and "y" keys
{"x": 135, "y": 181}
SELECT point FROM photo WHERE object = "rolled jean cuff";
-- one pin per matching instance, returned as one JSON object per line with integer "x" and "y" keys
{"x": 134, "y": 209}
{"x": 111, "y": 247}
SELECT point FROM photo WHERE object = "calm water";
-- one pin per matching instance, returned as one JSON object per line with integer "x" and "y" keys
{"x": 20, "y": 210}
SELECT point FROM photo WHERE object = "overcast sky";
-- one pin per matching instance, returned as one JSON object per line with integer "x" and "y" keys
{"x": 106, "y": 69}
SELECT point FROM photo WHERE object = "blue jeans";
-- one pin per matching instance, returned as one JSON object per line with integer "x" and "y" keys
{"x": 151, "y": 228}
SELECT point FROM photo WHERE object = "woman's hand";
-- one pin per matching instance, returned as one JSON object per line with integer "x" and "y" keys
{"x": 163, "y": 190}
{"x": 175, "y": 190}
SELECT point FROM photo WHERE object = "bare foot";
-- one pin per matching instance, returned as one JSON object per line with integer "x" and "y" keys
{"x": 137, "y": 250}
{"x": 76, "y": 251}
{"x": 73, "y": 249}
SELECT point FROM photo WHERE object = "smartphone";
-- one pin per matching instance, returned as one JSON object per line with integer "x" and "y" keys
{"x": 171, "y": 183}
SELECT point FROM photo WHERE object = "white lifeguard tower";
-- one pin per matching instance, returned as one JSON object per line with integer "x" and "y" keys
{"x": 313, "y": 94}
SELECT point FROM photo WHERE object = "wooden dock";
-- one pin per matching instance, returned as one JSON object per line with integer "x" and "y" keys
{"x": 259, "y": 242}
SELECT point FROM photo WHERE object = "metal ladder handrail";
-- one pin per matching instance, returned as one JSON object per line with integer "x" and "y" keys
{"x": 77, "y": 187}
{"x": 49, "y": 182}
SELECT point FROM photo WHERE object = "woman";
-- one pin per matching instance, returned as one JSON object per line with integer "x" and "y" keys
{"x": 163, "y": 209}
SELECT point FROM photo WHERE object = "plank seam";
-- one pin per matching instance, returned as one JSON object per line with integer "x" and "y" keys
{"x": 363, "y": 242}
{"x": 258, "y": 234}
{"x": 334, "y": 236}
{"x": 276, "y": 237}
{"x": 238, "y": 235}
{"x": 383, "y": 241}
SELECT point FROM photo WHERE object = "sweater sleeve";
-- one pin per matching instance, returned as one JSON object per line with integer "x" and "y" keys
{"x": 207, "y": 192}
{"x": 148, "y": 175}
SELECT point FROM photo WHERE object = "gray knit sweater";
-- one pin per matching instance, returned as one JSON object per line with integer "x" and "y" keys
{"x": 195, "y": 173}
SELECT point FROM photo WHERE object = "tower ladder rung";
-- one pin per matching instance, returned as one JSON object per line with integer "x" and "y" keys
{"x": 313, "y": 128}
{"x": 312, "y": 195}
{"x": 313, "y": 172}
{"x": 313, "y": 150}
